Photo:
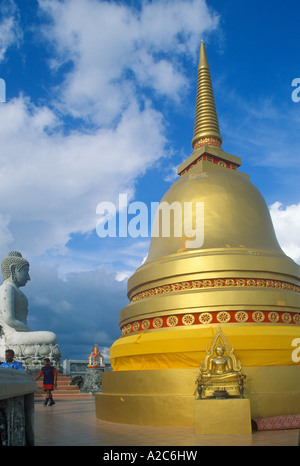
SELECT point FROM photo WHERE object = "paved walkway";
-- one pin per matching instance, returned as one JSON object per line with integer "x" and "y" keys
{"x": 74, "y": 423}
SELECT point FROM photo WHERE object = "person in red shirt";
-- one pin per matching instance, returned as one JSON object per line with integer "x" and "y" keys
{"x": 49, "y": 382}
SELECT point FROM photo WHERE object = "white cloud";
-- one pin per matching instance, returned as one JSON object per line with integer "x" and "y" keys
{"x": 116, "y": 49}
{"x": 51, "y": 180}
{"x": 50, "y": 184}
{"x": 105, "y": 353}
{"x": 286, "y": 221}
{"x": 105, "y": 57}
{"x": 10, "y": 31}
{"x": 124, "y": 275}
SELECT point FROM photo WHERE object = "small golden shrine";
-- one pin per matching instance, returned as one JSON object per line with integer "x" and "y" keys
{"x": 221, "y": 373}
{"x": 95, "y": 358}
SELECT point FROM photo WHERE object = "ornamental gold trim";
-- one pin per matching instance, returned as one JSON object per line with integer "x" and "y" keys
{"x": 273, "y": 316}
{"x": 241, "y": 316}
{"x": 188, "y": 319}
{"x": 258, "y": 316}
{"x": 135, "y": 326}
{"x": 207, "y": 318}
{"x": 286, "y": 317}
{"x": 157, "y": 322}
{"x": 223, "y": 317}
{"x": 216, "y": 283}
{"x": 172, "y": 321}
{"x": 145, "y": 324}
{"x": 297, "y": 319}
{"x": 207, "y": 142}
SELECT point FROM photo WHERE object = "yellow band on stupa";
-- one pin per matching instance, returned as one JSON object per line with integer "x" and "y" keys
{"x": 185, "y": 348}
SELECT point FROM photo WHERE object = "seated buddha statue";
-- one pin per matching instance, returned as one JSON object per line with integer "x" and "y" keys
{"x": 220, "y": 365}
{"x": 220, "y": 372}
{"x": 14, "y": 309}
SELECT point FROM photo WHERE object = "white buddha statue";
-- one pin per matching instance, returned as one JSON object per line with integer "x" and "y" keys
{"x": 14, "y": 309}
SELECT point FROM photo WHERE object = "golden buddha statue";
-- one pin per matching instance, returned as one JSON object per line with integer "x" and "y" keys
{"x": 221, "y": 374}
{"x": 220, "y": 365}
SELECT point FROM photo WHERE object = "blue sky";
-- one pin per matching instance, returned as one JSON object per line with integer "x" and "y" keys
{"x": 100, "y": 100}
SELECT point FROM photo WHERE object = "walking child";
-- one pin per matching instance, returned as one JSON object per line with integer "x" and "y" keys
{"x": 49, "y": 382}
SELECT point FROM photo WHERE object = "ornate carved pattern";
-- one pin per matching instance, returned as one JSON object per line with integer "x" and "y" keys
{"x": 223, "y": 317}
{"x": 188, "y": 319}
{"x": 216, "y": 283}
{"x": 286, "y": 317}
{"x": 135, "y": 326}
{"x": 145, "y": 324}
{"x": 172, "y": 321}
{"x": 241, "y": 316}
{"x": 207, "y": 142}
{"x": 13, "y": 422}
{"x": 258, "y": 316}
{"x": 297, "y": 319}
{"x": 206, "y": 318}
{"x": 157, "y": 322}
{"x": 273, "y": 316}
{"x": 129, "y": 328}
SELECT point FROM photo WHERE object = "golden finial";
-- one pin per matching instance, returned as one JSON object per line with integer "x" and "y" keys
{"x": 206, "y": 131}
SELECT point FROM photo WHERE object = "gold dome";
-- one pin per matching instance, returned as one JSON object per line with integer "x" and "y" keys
{"x": 235, "y": 212}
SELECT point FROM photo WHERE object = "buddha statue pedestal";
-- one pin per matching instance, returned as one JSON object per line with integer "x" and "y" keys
{"x": 223, "y": 417}
{"x": 32, "y": 356}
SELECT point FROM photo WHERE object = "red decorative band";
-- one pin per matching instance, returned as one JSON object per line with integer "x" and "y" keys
{"x": 216, "y": 283}
{"x": 210, "y": 158}
{"x": 222, "y": 317}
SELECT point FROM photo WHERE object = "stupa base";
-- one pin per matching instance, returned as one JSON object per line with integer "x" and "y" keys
{"x": 167, "y": 397}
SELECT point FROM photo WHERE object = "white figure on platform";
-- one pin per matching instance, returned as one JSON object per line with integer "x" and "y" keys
{"x": 14, "y": 305}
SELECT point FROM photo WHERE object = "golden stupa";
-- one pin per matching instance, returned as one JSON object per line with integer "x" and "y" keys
{"x": 239, "y": 280}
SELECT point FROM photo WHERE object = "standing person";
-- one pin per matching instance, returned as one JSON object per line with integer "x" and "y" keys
{"x": 10, "y": 363}
{"x": 50, "y": 381}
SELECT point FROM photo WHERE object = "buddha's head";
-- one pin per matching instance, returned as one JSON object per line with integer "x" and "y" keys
{"x": 220, "y": 350}
{"x": 16, "y": 268}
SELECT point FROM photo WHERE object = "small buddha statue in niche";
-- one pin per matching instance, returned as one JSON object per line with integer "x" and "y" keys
{"x": 221, "y": 374}
{"x": 14, "y": 309}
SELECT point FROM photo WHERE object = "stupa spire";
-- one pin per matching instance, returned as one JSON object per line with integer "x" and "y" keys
{"x": 206, "y": 130}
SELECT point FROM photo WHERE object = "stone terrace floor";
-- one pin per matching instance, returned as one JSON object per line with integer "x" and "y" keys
{"x": 74, "y": 423}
